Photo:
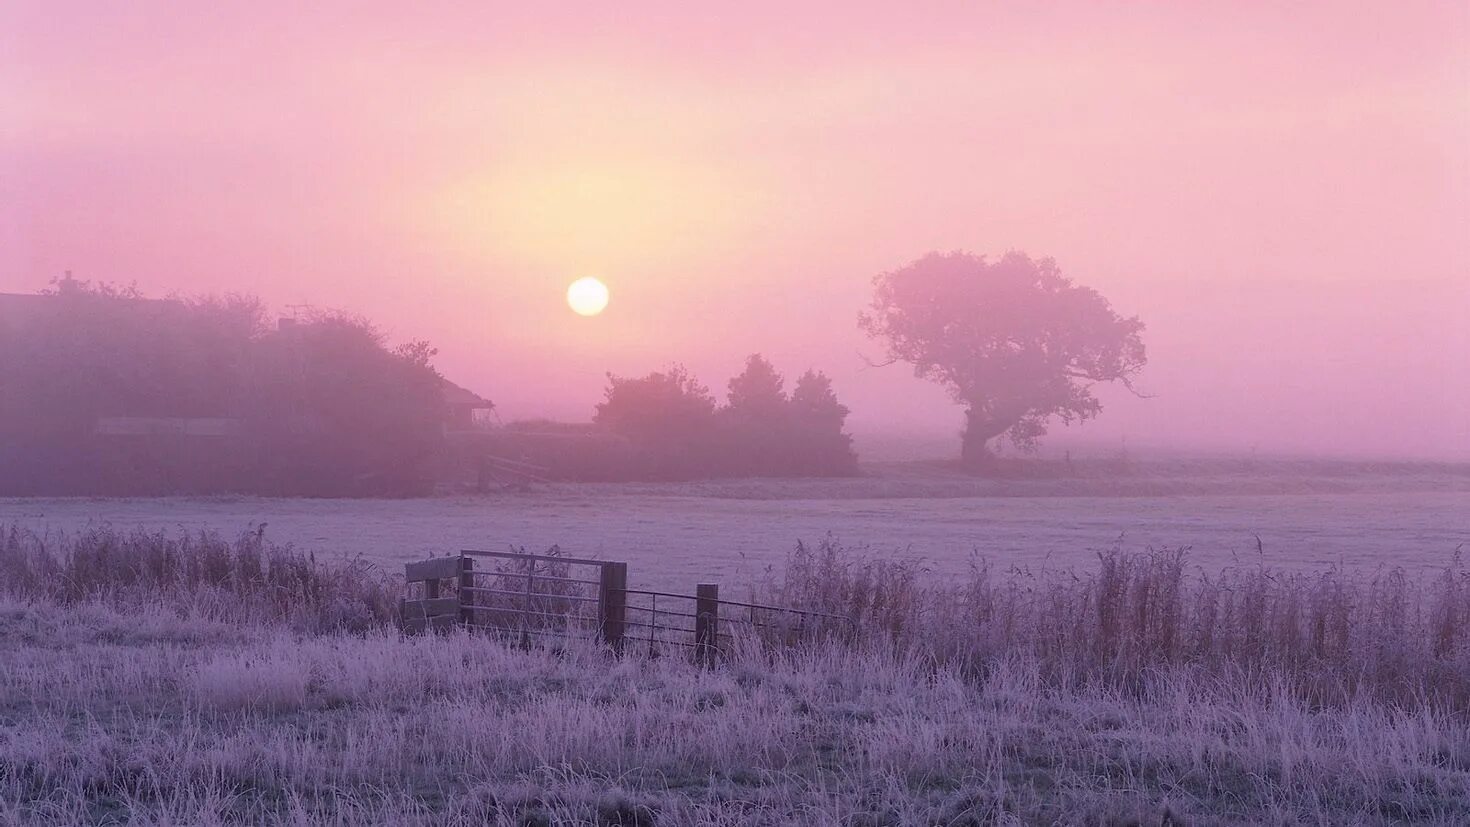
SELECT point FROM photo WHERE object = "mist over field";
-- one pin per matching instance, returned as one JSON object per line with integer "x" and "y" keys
{"x": 1280, "y": 195}
{"x": 670, "y": 414}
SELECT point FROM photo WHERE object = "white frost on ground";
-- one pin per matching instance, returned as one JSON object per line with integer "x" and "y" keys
{"x": 675, "y": 536}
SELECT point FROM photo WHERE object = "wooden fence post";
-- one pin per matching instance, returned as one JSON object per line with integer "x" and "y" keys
{"x": 466, "y": 597}
{"x": 612, "y": 604}
{"x": 526, "y": 605}
{"x": 429, "y": 611}
{"x": 706, "y": 621}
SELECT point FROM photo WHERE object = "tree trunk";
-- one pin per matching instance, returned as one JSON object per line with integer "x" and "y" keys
{"x": 979, "y": 430}
{"x": 973, "y": 453}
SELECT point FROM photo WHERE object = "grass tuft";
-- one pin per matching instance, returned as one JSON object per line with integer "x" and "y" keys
{"x": 1331, "y": 635}
{"x": 251, "y": 580}
{"x": 186, "y": 680}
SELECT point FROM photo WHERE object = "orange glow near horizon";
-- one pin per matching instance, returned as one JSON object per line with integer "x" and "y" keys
{"x": 576, "y": 211}
{"x": 1281, "y": 194}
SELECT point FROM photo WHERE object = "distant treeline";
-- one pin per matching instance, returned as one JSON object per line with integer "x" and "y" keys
{"x": 105, "y": 392}
{"x": 667, "y": 426}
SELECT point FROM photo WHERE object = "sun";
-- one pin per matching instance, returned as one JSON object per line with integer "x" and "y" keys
{"x": 587, "y": 296}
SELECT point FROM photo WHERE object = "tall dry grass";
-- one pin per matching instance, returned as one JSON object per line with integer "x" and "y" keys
{"x": 200, "y": 723}
{"x": 1331, "y": 634}
{"x": 250, "y": 580}
{"x": 147, "y": 678}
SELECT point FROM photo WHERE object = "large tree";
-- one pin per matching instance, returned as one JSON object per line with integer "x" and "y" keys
{"x": 1014, "y": 341}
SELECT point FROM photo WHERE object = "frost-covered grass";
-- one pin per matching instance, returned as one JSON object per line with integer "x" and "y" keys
{"x": 200, "y": 574}
{"x": 674, "y": 536}
{"x": 145, "y": 717}
{"x": 1331, "y": 634}
{"x": 1133, "y": 691}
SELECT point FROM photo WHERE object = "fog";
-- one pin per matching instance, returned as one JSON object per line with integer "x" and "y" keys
{"x": 1282, "y": 196}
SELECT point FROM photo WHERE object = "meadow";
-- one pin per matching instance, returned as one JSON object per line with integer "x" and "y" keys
{"x": 1298, "y": 515}
{"x": 180, "y": 678}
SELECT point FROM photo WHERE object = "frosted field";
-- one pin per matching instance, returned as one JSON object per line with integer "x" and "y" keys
{"x": 675, "y": 536}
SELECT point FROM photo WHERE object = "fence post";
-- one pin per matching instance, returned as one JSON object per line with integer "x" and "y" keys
{"x": 612, "y": 604}
{"x": 706, "y": 621}
{"x": 526, "y": 604}
{"x": 466, "y": 597}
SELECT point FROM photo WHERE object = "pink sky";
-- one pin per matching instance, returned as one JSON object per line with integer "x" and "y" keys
{"x": 1283, "y": 194}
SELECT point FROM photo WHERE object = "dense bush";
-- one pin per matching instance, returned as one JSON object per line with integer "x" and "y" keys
{"x": 675, "y": 429}
{"x": 319, "y": 407}
{"x": 335, "y": 411}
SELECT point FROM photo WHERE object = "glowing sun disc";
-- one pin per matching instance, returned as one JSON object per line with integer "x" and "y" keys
{"x": 587, "y": 296}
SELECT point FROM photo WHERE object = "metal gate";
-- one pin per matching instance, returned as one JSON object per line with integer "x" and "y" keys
{"x": 533, "y": 596}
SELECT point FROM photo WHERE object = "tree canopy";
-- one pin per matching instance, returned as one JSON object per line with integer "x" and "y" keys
{"x": 758, "y": 392}
{"x": 323, "y": 406}
{"x": 1013, "y": 340}
{"x": 677, "y": 431}
{"x": 667, "y": 404}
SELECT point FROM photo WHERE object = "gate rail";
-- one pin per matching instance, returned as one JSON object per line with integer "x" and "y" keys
{"x": 533, "y": 595}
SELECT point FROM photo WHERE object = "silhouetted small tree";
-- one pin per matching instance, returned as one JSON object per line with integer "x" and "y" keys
{"x": 676, "y": 431}
{"x": 1013, "y": 340}
{"x": 757, "y": 393}
{"x": 755, "y": 422}
{"x": 817, "y": 422}
{"x": 668, "y": 403}
{"x": 667, "y": 416}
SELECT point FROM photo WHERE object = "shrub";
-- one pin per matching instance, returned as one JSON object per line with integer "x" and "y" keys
{"x": 675, "y": 430}
{"x": 320, "y": 407}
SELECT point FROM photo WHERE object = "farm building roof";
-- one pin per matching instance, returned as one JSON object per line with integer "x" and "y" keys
{"x": 458, "y": 397}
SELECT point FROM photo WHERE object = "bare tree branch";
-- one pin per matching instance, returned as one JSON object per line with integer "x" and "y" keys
{"x": 870, "y": 363}
{"x": 1128, "y": 383}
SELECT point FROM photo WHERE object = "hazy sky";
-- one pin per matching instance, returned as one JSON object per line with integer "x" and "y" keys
{"x": 1282, "y": 192}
